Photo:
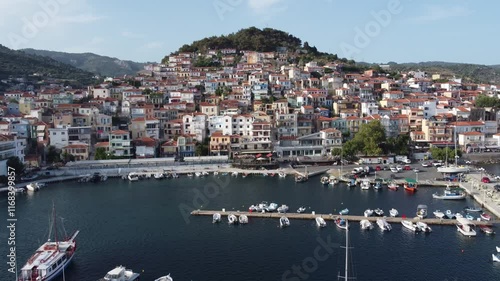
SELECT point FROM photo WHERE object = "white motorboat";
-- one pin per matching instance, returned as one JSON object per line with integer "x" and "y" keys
{"x": 216, "y": 218}
{"x": 351, "y": 183}
{"x": 393, "y": 186}
{"x": 450, "y": 194}
{"x": 198, "y": 174}
{"x": 262, "y": 206}
{"x": 438, "y": 214}
{"x": 366, "y": 224}
{"x": 320, "y": 222}
{"x": 466, "y": 227}
{"x": 133, "y": 177}
{"x": 485, "y": 217}
{"x": 232, "y": 219}
{"x": 51, "y": 258}
{"x": 379, "y": 212}
{"x": 120, "y": 273}
{"x": 158, "y": 176}
{"x": 333, "y": 180}
{"x": 234, "y": 174}
{"x": 20, "y": 190}
{"x": 216, "y": 173}
{"x": 410, "y": 225}
{"x": 453, "y": 169}
{"x": 165, "y": 278}
{"x": 422, "y": 211}
{"x": 272, "y": 207}
{"x": 365, "y": 185}
{"x": 378, "y": 185}
{"x": 283, "y": 209}
{"x": 301, "y": 210}
{"x": 243, "y": 219}
{"x": 341, "y": 223}
{"x": 459, "y": 215}
{"x": 393, "y": 212}
{"x": 368, "y": 213}
{"x": 344, "y": 212}
{"x": 383, "y": 224}
{"x": 284, "y": 222}
{"x": 33, "y": 187}
{"x": 324, "y": 180}
{"x": 282, "y": 175}
{"x": 495, "y": 257}
{"x": 175, "y": 175}
{"x": 252, "y": 208}
{"x": 473, "y": 209}
{"x": 449, "y": 214}
{"x": 498, "y": 249}
{"x": 424, "y": 227}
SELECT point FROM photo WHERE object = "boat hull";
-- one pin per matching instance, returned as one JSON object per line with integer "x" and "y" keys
{"x": 55, "y": 273}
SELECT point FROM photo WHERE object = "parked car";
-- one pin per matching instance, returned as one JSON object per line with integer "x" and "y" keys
{"x": 394, "y": 169}
{"x": 426, "y": 164}
{"x": 407, "y": 168}
{"x": 486, "y": 180}
{"x": 399, "y": 168}
{"x": 378, "y": 168}
{"x": 437, "y": 164}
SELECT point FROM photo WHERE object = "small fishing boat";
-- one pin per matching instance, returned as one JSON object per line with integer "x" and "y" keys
{"x": 450, "y": 194}
{"x": 301, "y": 210}
{"x": 344, "y": 212}
{"x": 283, "y": 209}
{"x": 341, "y": 223}
{"x": 244, "y": 175}
{"x": 383, "y": 224}
{"x": 366, "y": 224}
{"x": 320, "y": 222}
{"x": 393, "y": 212}
{"x": 165, "y": 278}
{"x": 424, "y": 227}
{"x": 332, "y": 180}
{"x": 33, "y": 187}
{"x": 496, "y": 257}
{"x": 216, "y": 173}
{"x": 368, "y": 213}
{"x": 300, "y": 178}
{"x": 324, "y": 180}
{"x": 473, "y": 209}
{"x": 466, "y": 227}
{"x": 498, "y": 249}
{"x": 234, "y": 174}
{"x": 378, "y": 185}
{"x": 351, "y": 183}
{"x": 120, "y": 273}
{"x": 282, "y": 175}
{"x": 252, "y": 208}
{"x": 438, "y": 214}
{"x": 284, "y": 222}
{"x": 379, "y": 212}
{"x": 365, "y": 185}
{"x": 216, "y": 218}
{"x": 243, "y": 219}
{"x": 485, "y": 217}
{"x": 470, "y": 217}
{"x": 232, "y": 219}
{"x": 190, "y": 175}
{"x": 410, "y": 225}
{"x": 422, "y": 211}
{"x": 158, "y": 176}
{"x": 272, "y": 207}
{"x": 393, "y": 186}
{"x": 449, "y": 214}
{"x": 410, "y": 185}
{"x": 486, "y": 229}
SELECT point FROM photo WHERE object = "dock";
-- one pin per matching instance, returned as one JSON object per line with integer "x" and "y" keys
{"x": 331, "y": 217}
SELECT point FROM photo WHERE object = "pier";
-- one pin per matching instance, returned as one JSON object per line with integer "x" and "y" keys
{"x": 331, "y": 217}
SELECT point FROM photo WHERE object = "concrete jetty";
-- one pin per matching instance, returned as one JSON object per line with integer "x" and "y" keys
{"x": 312, "y": 216}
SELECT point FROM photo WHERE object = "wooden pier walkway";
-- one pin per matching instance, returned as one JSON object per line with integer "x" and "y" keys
{"x": 312, "y": 216}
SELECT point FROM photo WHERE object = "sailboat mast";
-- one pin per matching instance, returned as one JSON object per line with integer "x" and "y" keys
{"x": 346, "y": 250}
{"x": 455, "y": 140}
{"x": 55, "y": 224}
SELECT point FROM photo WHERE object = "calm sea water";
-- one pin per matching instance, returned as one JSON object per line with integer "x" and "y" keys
{"x": 143, "y": 226}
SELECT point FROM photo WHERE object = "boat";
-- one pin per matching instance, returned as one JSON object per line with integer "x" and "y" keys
{"x": 438, "y": 214}
{"x": 410, "y": 225}
{"x": 175, "y": 175}
{"x": 252, "y": 208}
{"x": 422, "y": 211}
{"x": 234, "y": 174}
{"x": 351, "y": 183}
{"x": 300, "y": 178}
{"x": 263, "y": 206}
{"x": 459, "y": 215}
{"x": 378, "y": 185}
{"x": 410, "y": 185}
{"x": 486, "y": 229}
{"x": 485, "y": 217}
{"x": 449, "y": 214}
{"x": 498, "y": 249}
{"x": 344, "y": 212}
{"x": 272, "y": 207}
{"x": 51, "y": 258}
{"x": 243, "y": 219}
{"x": 383, "y": 224}
{"x": 332, "y": 180}
{"x": 341, "y": 223}
{"x": 450, "y": 194}
{"x": 424, "y": 227}
{"x": 320, "y": 222}
{"x": 368, "y": 212}
{"x": 496, "y": 257}
{"x": 216, "y": 218}
{"x": 281, "y": 174}
{"x": 133, "y": 177}
{"x": 165, "y": 278}
{"x": 33, "y": 187}
{"x": 365, "y": 185}
{"x": 469, "y": 217}
{"x": 120, "y": 273}
{"x": 232, "y": 219}
{"x": 324, "y": 180}
{"x": 473, "y": 209}
{"x": 246, "y": 175}
{"x": 379, "y": 212}
{"x": 159, "y": 176}
{"x": 393, "y": 212}
{"x": 216, "y": 173}
{"x": 393, "y": 186}
{"x": 466, "y": 227}
{"x": 20, "y": 190}
{"x": 454, "y": 168}
{"x": 366, "y": 224}
{"x": 284, "y": 222}
{"x": 301, "y": 210}
{"x": 283, "y": 209}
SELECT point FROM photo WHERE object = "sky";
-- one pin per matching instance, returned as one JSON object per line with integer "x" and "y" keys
{"x": 376, "y": 31}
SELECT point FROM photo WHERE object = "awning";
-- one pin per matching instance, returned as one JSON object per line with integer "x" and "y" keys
{"x": 258, "y": 155}
{"x": 269, "y": 155}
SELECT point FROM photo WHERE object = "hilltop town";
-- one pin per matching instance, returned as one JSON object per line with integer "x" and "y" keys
{"x": 242, "y": 102}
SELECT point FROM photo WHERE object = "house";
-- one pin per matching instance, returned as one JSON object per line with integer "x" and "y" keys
{"x": 119, "y": 143}
{"x": 209, "y": 109}
{"x": 316, "y": 144}
{"x": 145, "y": 147}
{"x": 220, "y": 144}
{"x": 63, "y": 135}
{"x": 470, "y": 140}
{"x": 145, "y": 127}
{"x": 195, "y": 124}
{"x": 78, "y": 150}
{"x": 10, "y": 146}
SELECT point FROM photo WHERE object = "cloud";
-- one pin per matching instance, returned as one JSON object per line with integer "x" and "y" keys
{"x": 262, "y": 6}
{"x": 84, "y": 18}
{"x": 437, "y": 13}
{"x": 153, "y": 45}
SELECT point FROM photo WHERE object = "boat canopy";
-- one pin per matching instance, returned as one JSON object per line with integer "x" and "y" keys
{"x": 422, "y": 207}
{"x": 409, "y": 180}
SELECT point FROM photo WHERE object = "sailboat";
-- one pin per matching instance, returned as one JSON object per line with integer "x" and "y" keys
{"x": 346, "y": 273}
{"x": 453, "y": 169}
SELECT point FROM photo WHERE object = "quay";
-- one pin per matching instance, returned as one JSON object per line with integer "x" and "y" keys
{"x": 312, "y": 216}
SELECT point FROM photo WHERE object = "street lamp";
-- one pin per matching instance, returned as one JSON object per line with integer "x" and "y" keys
{"x": 416, "y": 177}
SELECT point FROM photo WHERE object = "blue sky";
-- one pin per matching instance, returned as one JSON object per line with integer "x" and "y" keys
{"x": 404, "y": 31}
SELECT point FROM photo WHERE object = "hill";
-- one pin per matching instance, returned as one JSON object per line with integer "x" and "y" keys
{"x": 254, "y": 39}
{"x": 19, "y": 64}
{"x": 101, "y": 65}
{"x": 476, "y": 73}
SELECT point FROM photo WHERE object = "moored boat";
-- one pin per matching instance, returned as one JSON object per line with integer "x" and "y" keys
{"x": 378, "y": 185}
{"x": 485, "y": 217}
{"x": 301, "y": 210}
{"x": 410, "y": 185}
{"x": 284, "y": 222}
{"x": 324, "y": 180}
{"x": 410, "y": 225}
{"x": 422, "y": 211}
{"x": 51, "y": 258}
{"x": 486, "y": 229}
{"x": 216, "y": 218}
{"x": 379, "y": 212}
{"x": 320, "y": 222}
{"x": 466, "y": 227}
{"x": 282, "y": 175}
{"x": 243, "y": 219}
{"x": 341, "y": 223}
{"x": 368, "y": 212}
{"x": 449, "y": 214}
{"x": 283, "y": 208}
{"x": 232, "y": 219}
{"x": 272, "y": 207}
{"x": 438, "y": 214}
{"x": 496, "y": 257}
{"x": 365, "y": 185}
{"x": 351, "y": 183}
{"x": 450, "y": 194}
{"x": 344, "y": 212}
{"x": 424, "y": 227}
{"x": 165, "y": 278}
{"x": 33, "y": 187}
{"x": 366, "y": 224}
{"x": 393, "y": 212}
{"x": 133, "y": 177}
{"x": 383, "y": 224}
{"x": 393, "y": 186}
{"x": 120, "y": 273}
{"x": 473, "y": 209}
{"x": 498, "y": 249}
{"x": 300, "y": 178}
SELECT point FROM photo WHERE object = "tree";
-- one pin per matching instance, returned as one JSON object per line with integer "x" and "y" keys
{"x": 486, "y": 101}
{"x": 369, "y": 138}
{"x": 337, "y": 151}
{"x": 15, "y": 163}
{"x": 444, "y": 154}
{"x": 53, "y": 155}
{"x": 67, "y": 157}
{"x": 100, "y": 154}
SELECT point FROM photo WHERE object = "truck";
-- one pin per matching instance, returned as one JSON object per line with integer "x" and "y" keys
{"x": 403, "y": 159}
